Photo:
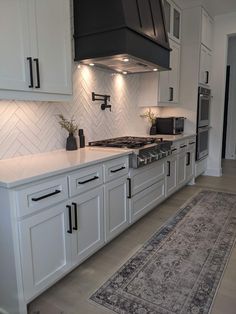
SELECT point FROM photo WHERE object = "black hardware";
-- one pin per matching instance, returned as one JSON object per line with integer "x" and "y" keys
{"x": 36, "y": 60}
{"x": 183, "y": 146}
{"x": 207, "y": 77}
{"x": 70, "y": 220}
{"x": 171, "y": 89}
{"x": 129, "y": 188}
{"x": 168, "y": 163}
{"x": 31, "y": 72}
{"x": 122, "y": 168}
{"x": 192, "y": 143}
{"x": 36, "y": 199}
{"x": 173, "y": 150}
{"x": 75, "y": 213}
{"x": 89, "y": 180}
{"x": 188, "y": 158}
{"x": 104, "y": 98}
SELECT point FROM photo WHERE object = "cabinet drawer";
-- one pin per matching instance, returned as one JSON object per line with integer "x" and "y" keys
{"x": 142, "y": 178}
{"x": 191, "y": 144}
{"x": 146, "y": 200}
{"x": 42, "y": 195}
{"x": 116, "y": 168}
{"x": 85, "y": 179}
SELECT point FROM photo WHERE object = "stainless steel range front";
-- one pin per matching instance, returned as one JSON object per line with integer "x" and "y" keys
{"x": 145, "y": 149}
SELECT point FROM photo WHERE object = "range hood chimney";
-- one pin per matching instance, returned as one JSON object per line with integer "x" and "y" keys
{"x": 123, "y": 35}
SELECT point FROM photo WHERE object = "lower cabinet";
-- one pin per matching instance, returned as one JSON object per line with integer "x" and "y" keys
{"x": 45, "y": 249}
{"x": 190, "y": 165}
{"x": 146, "y": 200}
{"x": 171, "y": 175}
{"x": 116, "y": 208}
{"x": 87, "y": 216}
{"x": 181, "y": 173}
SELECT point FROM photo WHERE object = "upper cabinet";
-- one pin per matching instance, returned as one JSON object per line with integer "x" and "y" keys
{"x": 173, "y": 20}
{"x": 169, "y": 80}
{"x": 207, "y": 30}
{"x": 35, "y": 55}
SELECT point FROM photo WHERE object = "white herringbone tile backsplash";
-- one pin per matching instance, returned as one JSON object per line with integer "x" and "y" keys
{"x": 32, "y": 127}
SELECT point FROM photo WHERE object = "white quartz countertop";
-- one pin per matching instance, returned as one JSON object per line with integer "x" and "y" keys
{"x": 23, "y": 170}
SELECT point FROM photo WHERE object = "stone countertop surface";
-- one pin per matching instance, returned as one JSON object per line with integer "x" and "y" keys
{"x": 22, "y": 170}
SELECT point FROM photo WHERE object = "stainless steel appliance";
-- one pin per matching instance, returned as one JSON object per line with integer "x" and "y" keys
{"x": 170, "y": 125}
{"x": 203, "y": 118}
{"x": 204, "y": 100}
{"x": 145, "y": 149}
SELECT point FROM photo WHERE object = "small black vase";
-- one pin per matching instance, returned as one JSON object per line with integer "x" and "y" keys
{"x": 71, "y": 143}
{"x": 153, "y": 130}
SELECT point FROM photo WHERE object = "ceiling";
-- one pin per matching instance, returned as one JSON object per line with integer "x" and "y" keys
{"x": 215, "y": 7}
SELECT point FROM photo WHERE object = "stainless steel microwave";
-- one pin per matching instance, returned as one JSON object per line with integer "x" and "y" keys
{"x": 170, "y": 125}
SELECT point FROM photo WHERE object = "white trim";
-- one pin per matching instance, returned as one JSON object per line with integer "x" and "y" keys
{"x": 213, "y": 172}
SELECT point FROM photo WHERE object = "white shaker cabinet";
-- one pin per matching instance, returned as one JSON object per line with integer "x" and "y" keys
{"x": 87, "y": 218}
{"x": 171, "y": 175}
{"x": 207, "y": 30}
{"x": 205, "y": 66}
{"x": 173, "y": 20}
{"x": 45, "y": 249}
{"x": 169, "y": 80}
{"x": 181, "y": 164}
{"x": 35, "y": 50}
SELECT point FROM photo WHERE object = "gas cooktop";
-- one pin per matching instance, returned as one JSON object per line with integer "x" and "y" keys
{"x": 127, "y": 142}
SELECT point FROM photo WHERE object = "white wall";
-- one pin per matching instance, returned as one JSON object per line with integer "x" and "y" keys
{"x": 231, "y": 125}
{"x": 32, "y": 127}
{"x": 224, "y": 25}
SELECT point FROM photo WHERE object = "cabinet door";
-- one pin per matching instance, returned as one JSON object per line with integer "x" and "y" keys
{"x": 171, "y": 176}
{"x": 45, "y": 249}
{"x": 190, "y": 164}
{"x": 116, "y": 208}
{"x": 181, "y": 166}
{"x": 51, "y": 45}
{"x": 88, "y": 210}
{"x": 205, "y": 66}
{"x": 207, "y": 30}
{"x": 169, "y": 80}
{"x": 14, "y": 43}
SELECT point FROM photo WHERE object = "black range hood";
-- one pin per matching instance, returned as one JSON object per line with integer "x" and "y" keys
{"x": 123, "y": 35}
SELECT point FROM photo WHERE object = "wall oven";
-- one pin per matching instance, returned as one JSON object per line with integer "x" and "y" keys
{"x": 204, "y": 100}
{"x": 203, "y": 118}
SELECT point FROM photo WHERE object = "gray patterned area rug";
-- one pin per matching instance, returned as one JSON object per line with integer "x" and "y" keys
{"x": 179, "y": 268}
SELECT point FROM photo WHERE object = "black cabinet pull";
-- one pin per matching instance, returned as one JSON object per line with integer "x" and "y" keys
{"x": 31, "y": 72}
{"x": 36, "y": 60}
{"x": 192, "y": 143}
{"x": 171, "y": 89}
{"x": 207, "y": 77}
{"x": 36, "y": 199}
{"x": 70, "y": 220}
{"x": 116, "y": 170}
{"x": 75, "y": 216}
{"x": 188, "y": 159}
{"x": 168, "y": 163}
{"x": 89, "y": 180}
{"x": 173, "y": 150}
{"x": 129, "y": 188}
{"x": 183, "y": 146}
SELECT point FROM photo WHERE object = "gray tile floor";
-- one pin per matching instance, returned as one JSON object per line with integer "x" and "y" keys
{"x": 70, "y": 295}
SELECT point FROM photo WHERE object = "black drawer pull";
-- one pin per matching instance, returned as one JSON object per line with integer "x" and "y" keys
{"x": 36, "y": 199}
{"x": 70, "y": 220}
{"x": 183, "y": 146}
{"x": 129, "y": 188}
{"x": 37, "y": 72}
{"x": 89, "y": 180}
{"x": 75, "y": 213}
{"x": 31, "y": 72}
{"x": 168, "y": 163}
{"x": 122, "y": 168}
{"x": 171, "y": 90}
{"x": 192, "y": 143}
{"x": 173, "y": 150}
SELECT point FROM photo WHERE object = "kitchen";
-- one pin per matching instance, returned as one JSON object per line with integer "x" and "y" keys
{"x": 33, "y": 156}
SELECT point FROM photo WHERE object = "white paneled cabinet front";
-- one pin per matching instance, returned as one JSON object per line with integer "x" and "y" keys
{"x": 171, "y": 175}
{"x": 169, "y": 80}
{"x": 35, "y": 55}
{"x": 205, "y": 66}
{"x": 87, "y": 224}
{"x": 45, "y": 249}
{"x": 116, "y": 208}
{"x": 181, "y": 174}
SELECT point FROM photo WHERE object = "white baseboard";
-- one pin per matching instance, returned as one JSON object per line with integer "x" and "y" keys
{"x": 213, "y": 172}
